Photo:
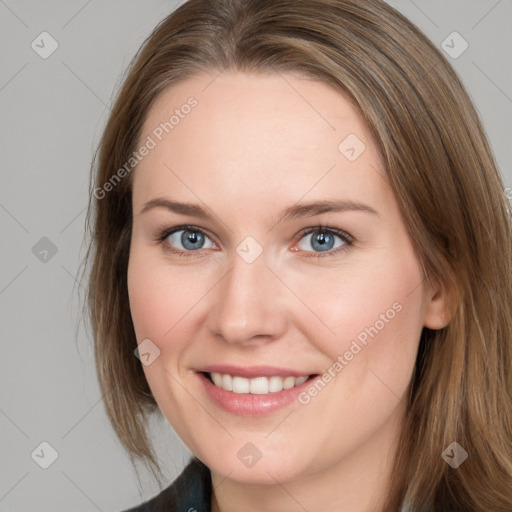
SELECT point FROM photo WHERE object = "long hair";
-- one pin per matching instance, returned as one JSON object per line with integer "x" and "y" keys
{"x": 445, "y": 180}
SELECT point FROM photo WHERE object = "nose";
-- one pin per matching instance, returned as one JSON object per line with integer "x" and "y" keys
{"x": 250, "y": 304}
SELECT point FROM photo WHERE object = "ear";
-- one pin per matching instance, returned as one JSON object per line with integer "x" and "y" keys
{"x": 437, "y": 306}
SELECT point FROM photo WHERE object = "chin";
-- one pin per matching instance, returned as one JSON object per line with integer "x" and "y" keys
{"x": 247, "y": 465}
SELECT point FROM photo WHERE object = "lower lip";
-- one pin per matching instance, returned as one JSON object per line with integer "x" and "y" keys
{"x": 248, "y": 404}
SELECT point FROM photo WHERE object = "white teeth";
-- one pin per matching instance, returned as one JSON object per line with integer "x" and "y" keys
{"x": 275, "y": 384}
{"x": 241, "y": 385}
{"x": 256, "y": 386}
{"x": 289, "y": 382}
{"x": 300, "y": 380}
{"x": 227, "y": 382}
{"x": 217, "y": 379}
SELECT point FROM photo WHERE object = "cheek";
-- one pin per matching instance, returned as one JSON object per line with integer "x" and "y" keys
{"x": 157, "y": 297}
{"x": 376, "y": 316}
{"x": 146, "y": 301}
{"x": 372, "y": 314}
{"x": 156, "y": 306}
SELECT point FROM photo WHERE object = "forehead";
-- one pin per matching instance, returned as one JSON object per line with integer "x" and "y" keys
{"x": 272, "y": 135}
{"x": 238, "y": 104}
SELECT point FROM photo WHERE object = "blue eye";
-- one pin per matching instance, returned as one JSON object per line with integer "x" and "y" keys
{"x": 191, "y": 239}
{"x": 188, "y": 240}
{"x": 323, "y": 240}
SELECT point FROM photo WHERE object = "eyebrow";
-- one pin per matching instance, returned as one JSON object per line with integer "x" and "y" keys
{"x": 292, "y": 212}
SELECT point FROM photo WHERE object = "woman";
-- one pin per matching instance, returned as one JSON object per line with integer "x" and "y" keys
{"x": 300, "y": 232}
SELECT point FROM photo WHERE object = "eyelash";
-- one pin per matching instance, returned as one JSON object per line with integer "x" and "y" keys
{"x": 346, "y": 238}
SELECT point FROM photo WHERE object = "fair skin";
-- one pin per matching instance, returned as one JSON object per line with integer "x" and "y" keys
{"x": 254, "y": 145}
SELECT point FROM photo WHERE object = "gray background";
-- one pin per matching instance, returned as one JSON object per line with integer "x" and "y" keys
{"x": 52, "y": 112}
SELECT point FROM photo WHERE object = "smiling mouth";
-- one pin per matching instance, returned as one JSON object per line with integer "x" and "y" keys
{"x": 257, "y": 385}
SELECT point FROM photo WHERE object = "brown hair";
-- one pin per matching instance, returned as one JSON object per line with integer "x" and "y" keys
{"x": 441, "y": 169}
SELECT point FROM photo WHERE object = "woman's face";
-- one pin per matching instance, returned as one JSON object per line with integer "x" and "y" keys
{"x": 294, "y": 263}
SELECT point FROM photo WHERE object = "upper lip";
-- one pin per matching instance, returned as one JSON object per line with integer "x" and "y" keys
{"x": 250, "y": 372}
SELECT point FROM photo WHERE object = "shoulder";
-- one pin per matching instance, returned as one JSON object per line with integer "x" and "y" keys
{"x": 190, "y": 492}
